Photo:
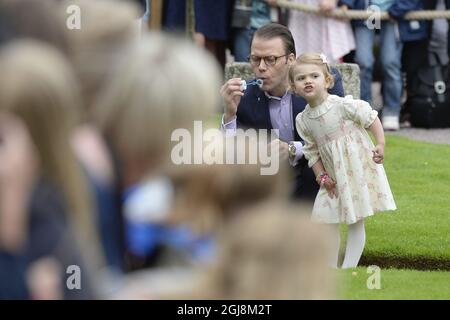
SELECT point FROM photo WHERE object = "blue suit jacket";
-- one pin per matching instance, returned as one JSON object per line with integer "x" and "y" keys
{"x": 253, "y": 112}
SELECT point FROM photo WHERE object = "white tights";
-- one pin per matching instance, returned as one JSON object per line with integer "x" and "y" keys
{"x": 356, "y": 239}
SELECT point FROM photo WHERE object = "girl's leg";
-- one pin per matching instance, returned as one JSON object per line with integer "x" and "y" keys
{"x": 334, "y": 245}
{"x": 355, "y": 244}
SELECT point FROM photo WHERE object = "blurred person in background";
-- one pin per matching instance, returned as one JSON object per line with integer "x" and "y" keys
{"x": 213, "y": 26}
{"x": 37, "y": 19}
{"x": 52, "y": 219}
{"x": 247, "y": 17}
{"x": 422, "y": 39}
{"x": 109, "y": 29}
{"x": 284, "y": 256}
{"x": 147, "y": 98}
{"x": 315, "y": 33}
{"x": 17, "y": 174}
{"x": 212, "y": 23}
{"x": 206, "y": 198}
{"x": 390, "y": 55}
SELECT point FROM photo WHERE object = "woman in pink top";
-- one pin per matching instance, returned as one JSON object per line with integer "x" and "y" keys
{"x": 314, "y": 33}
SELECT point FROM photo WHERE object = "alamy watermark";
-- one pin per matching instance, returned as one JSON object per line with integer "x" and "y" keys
{"x": 73, "y": 21}
{"x": 374, "y": 20}
{"x": 73, "y": 281}
{"x": 374, "y": 280}
{"x": 211, "y": 146}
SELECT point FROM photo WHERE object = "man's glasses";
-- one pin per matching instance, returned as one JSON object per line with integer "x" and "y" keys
{"x": 269, "y": 60}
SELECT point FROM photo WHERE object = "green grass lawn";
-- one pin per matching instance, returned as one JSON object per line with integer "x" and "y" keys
{"x": 394, "y": 284}
{"x": 419, "y": 175}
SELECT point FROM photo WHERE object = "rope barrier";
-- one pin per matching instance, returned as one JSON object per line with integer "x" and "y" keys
{"x": 363, "y": 14}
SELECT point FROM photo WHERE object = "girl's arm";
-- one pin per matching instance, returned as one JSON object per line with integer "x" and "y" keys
{"x": 377, "y": 130}
{"x": 318, "y": 168}
{"x": 322, "y": 178}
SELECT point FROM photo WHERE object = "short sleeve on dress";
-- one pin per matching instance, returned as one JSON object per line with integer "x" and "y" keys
{"x": 359, "y": 111}
{"x": 310, "y": 150}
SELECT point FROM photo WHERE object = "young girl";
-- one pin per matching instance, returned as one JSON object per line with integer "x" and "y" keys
{"x": 348, "y": 167}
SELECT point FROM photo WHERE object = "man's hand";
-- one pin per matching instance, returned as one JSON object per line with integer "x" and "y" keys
{"x": 231, "y": 94}
{"x": 283, "y": 148}
{"x": 327, "y": 6}
{"x": 378, "y": 153}
{"x": 344, "y": 8}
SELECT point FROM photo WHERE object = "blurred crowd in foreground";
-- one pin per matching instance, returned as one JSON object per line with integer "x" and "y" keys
{"x": 91, "y": 207}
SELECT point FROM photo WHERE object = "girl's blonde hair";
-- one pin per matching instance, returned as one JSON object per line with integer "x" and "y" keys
{"x": 161, "y": 84}
{"x": 38, "y": 87}
{"x": 311, "y": 58}
{"x": 107, "y": 28}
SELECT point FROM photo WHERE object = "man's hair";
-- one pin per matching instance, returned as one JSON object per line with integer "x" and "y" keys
{"x": 276, "y": 30}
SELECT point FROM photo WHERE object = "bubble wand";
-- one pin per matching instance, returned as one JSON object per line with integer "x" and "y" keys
{"x": 256, "y": 82}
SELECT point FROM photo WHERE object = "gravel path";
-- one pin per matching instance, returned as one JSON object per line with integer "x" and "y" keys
{"x": 441, "y": 136}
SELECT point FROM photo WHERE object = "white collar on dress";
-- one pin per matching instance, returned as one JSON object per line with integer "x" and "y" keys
{"x": 322, "y": 108}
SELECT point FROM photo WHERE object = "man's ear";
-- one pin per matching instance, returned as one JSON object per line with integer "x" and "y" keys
{"x": 291, "y": 58}
{"x": 291, "y": 86}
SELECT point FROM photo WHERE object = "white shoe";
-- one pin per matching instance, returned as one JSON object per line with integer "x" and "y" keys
{"x": 391, "y": 123}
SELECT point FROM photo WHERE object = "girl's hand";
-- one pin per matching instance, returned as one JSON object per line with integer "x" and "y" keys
{"x": 330, "y": 185}
{"x": 378, "y": 153}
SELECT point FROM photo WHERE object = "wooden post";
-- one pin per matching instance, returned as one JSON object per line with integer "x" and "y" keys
{"x": 156, "y": 9}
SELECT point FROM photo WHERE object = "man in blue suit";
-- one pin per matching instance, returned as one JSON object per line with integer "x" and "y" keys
{"x": 273, "y": 106}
